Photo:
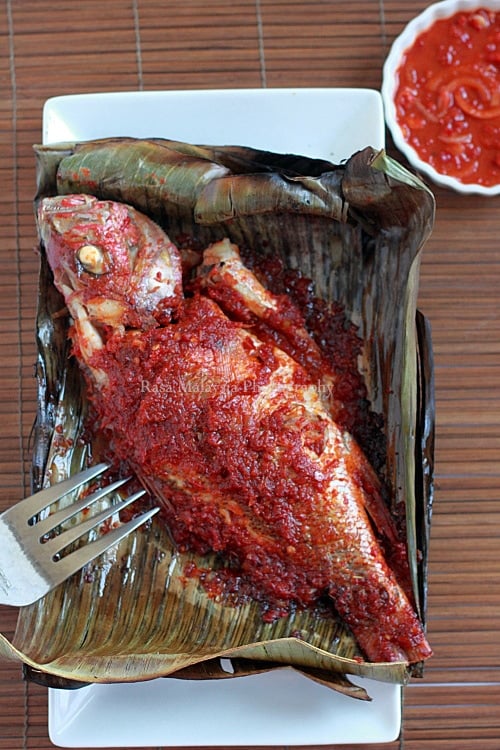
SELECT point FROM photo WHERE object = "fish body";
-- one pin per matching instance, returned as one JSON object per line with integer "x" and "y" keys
{"x": 230, "y": 431}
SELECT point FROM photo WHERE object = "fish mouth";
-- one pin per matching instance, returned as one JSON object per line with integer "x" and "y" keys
{"x": 66, "y": 204}
{"x": 55, "y": 214}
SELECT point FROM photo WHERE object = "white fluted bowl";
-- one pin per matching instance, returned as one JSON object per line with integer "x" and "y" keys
{"x": 433, "y": 13}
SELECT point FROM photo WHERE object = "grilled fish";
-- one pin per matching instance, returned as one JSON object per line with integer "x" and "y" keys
{"x": 230, "y": 431}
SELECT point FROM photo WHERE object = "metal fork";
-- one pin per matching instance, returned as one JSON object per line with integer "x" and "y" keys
{"x": 31, "y": 559}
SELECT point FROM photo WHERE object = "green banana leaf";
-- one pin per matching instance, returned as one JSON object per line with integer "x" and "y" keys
{"x": 357, "y": 230}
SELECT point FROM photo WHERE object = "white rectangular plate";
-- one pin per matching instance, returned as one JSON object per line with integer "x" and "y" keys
{"x": 279, "y": 707}
{"x": 274, "y": 708}
{"x": 321, "y": 123}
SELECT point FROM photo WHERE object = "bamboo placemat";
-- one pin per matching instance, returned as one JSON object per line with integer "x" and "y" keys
{"x": 53, "y": 48}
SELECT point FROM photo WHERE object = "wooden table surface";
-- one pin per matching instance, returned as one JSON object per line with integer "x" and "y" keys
{"x": 49, "y": 48}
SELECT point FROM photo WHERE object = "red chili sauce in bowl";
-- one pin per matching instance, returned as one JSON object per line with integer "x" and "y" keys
{"x": 448, "y": 98}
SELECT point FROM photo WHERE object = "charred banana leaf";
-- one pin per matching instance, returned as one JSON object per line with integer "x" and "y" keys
{"x": 357, "y": 231}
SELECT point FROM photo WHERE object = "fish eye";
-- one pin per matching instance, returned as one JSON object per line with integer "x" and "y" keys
{"x": 92, "y": 259}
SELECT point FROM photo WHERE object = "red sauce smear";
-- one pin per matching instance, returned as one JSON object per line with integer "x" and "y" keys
{"x": 448, "y": 99}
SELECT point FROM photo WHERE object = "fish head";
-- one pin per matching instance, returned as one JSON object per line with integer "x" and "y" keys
{"x": 116, "y": 269}
{"x": 109, "y": 261}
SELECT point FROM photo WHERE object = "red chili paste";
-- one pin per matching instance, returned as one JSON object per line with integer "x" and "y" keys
{"x": 167, "y": 414}
{"x": 340, "y": 344}
{"x": 448, "y": 99}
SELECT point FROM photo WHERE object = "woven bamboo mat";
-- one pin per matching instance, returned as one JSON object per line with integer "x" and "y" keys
{"x": 52, "y": 48}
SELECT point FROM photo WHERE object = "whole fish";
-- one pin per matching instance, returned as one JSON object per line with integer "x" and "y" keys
{"x": 230, "y": 431}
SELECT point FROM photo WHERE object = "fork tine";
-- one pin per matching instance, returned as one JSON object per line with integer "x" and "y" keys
{"x": 80, "y": 557}
{"x": 40, "y": 500}
{"x": 64, "y": 514}
{"x": 59, "y": 542}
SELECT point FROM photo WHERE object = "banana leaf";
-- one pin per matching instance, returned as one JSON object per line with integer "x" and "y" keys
{"x": 357, "y": 231}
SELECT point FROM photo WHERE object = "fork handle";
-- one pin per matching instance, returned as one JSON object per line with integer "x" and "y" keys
{"x": 21, "y": 582}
